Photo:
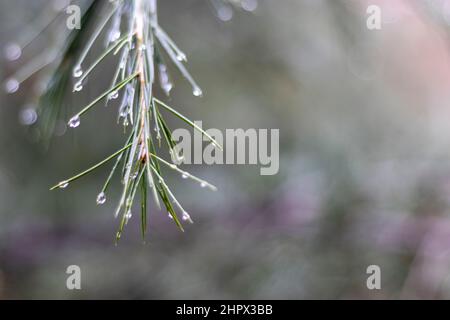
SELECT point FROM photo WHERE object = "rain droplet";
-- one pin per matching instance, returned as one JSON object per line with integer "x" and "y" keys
{"x": 197, "y": 92}
{"x": 172, "y": 166}
{"x": 164, "y": 79}
{"x": 28, "y": 116}
{"x": 124, "y": 112}
{"x": 114, "y": 35}
{"x": 185, "y": 175}
{"x": 176, "y": 157}
{"x": 101, "y": 198}
{"x": 187, "y": 217}
{"x": 167, "y": 87}
{"x": 181, "y": 57}
{"x": 12, "y": 85}
{"x": 63, "y": 184}
{"x": 74, "y": 122}
{"x": 113, "y": 95}
{"x": 13, "y": 51}
{"x": 225, "y": 13}
{"x": 203, "y": 185}
{"x": 129, "y": 215}
{"x": 78, "y": 86}
{"x": 77, "y": 72}
{"x": 249, "y": 5}
{"x": 170, "y": 216}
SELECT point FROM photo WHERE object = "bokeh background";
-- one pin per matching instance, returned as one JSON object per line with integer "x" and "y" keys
{"x": 364, "y": 119}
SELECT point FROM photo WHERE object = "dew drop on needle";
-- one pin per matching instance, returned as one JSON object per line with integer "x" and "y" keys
{"x": 12, "y": 85}
{"x": 197, "y": 92}
{"x": 78, "y": 87}
{"x": 101, "y": 198}
{"x": 13, "y": 51}
{"x": 74, "y": 122}
{"x": 77, "y": 72}
{"x": 63, "y": 184}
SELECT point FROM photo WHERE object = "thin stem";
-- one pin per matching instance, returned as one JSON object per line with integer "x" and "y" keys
{"x": 98, "y": 165}
{"x": 94, "y": 37}
{"x": 102, "y": 57}
{"x": 185, "y": 119}
{"x": 105, "y": 94}
{"x": 184, "y": 173}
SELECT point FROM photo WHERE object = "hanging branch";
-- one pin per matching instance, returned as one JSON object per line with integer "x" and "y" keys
{"x": 135, "y": 37}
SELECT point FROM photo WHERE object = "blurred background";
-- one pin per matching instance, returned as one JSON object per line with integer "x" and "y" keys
{"x": 364, "y": 179}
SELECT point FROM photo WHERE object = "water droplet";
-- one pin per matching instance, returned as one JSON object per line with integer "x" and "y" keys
{"x": 249, "y": 5}
{"x": 128, "y": 216}
{"x": 170, "y": 216}
{"x": 101, "y": 198}
{"x": 78, "y": 86}
{"x": 74, "y": 122}
{"x": 197, "y": 92}
{"x": 114, "y": 35}
{"x": 187, "y": 217}
{"x": 225, "y": 13}
{"x": 203, "y": 184}
{"x": 172, "y": 166}
{"x": 63, "y": 184}
{"x": 77, "y": 72}
{"x": 176, "y": 157}
{"x": 124, "y": 112}
{"x": 13, "y": 51}
{"x": 181, "y": 57}
{"x": 113, "y": 95}
{"x": 185, "y": 175}
{"x": 12, "y": 85}
{"x": 164, "y": 79}
{"x": 28, "y": 116}
{"x": 167, "y": 87}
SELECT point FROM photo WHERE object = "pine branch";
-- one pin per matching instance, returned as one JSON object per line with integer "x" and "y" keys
{"x": 139, "y": 64}
{"x": 133, "y": 35}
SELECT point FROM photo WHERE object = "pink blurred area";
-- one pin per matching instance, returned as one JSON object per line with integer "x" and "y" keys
{"x": 415, "y": 51}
